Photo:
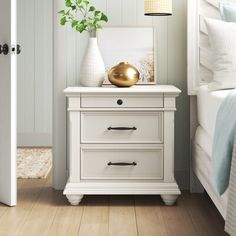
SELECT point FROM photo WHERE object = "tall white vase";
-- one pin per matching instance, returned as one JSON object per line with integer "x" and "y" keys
{"x": 92, "y": 72}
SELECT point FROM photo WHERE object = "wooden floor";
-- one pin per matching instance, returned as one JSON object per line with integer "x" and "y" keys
{"x": 44, "y": 211}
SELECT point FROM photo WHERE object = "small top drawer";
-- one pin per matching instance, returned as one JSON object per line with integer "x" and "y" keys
{"x": 122, "y": 101}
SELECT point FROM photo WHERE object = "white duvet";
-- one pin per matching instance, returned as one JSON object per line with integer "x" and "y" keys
{"x": 208, "y": 103}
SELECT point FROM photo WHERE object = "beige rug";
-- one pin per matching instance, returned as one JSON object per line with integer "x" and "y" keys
{"x": 34, "y": 163}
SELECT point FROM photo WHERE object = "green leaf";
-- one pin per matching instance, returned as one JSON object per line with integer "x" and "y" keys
{"x": 89, "y": 21}
{"x": 61, "y": 12}
{"x": 98, "y": 26}
{"x": 68, "y": 3}
{"x": 74, "y": 23}
{"x": 63, "y": 21}
{"x": 104, "y": 17}
{"x": 83, "y": 22}
{"x": 96, "y": 13}
{"x": 67, "y": 13}
{"x": 86, "y": 2}
{"x": 92, "y": 8}
{"x": 80, "y": 28}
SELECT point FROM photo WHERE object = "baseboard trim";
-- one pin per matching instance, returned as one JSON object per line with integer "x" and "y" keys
{"x": 34, "y": 140}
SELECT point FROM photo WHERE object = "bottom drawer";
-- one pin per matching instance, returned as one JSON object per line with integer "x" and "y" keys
{"x": 122, "y": 162}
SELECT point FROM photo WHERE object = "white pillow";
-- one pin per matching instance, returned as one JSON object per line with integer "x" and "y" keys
{"x": 222, "y": 36}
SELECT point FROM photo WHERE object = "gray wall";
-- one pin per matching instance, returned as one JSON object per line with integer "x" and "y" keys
{"x": 177, "y": 75}
{"x": 171, "y": 69}
{"x": 34, "y": 72}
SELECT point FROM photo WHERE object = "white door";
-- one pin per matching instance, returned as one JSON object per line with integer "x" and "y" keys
{"x": 7, "y": 103}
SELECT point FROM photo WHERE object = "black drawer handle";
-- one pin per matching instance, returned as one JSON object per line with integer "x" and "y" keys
{"x": 119, "y": 102}
{"x": 122, "y": 128}
{"x": 121, "y": 164}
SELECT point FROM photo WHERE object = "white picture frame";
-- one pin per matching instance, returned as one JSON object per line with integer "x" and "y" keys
{"x": 123, "y": 44}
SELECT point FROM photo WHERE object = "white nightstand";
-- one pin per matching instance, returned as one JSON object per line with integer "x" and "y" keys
{"x": 121, "y": 141}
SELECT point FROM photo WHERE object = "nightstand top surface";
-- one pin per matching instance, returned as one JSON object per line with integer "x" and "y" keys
{"x": 167, "y": 89}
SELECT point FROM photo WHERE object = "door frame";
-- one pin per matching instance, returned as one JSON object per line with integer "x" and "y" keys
{"x": 8, "y": 117}
{"x": 59, "y": 136}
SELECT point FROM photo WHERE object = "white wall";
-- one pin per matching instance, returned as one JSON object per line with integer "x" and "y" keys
{"x": 171, "y": 69}
{"x": 35, "y": 31}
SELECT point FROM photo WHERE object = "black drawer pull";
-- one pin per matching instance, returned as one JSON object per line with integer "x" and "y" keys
{"x": 119, "y": 102}
{"x": 121, "y": 164}
{"x": 122, "y": 128}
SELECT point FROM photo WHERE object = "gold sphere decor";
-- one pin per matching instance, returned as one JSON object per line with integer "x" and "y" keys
{"x": 123, "y": 75}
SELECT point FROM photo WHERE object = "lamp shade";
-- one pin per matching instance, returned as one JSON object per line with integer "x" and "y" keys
{"x": 158, "y": 7}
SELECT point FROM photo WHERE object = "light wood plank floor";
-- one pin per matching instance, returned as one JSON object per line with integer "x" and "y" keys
{"x": 44, "y": 211}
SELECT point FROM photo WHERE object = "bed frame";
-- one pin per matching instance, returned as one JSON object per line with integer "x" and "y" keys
{"x": 200, "y": 72}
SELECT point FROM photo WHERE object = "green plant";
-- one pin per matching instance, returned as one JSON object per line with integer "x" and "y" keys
{"x": 82, "y": 16}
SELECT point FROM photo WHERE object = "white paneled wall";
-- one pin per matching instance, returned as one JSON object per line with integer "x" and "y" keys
{"x": 171, "y": 68}
{"x": 35, "y": 35}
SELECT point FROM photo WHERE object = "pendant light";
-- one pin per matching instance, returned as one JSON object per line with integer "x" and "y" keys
{"x": 158, "y": 7}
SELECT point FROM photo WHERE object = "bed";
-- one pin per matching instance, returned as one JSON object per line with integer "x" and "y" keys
{"x": 204, "y": 103}
{"x": 208, "y": 104}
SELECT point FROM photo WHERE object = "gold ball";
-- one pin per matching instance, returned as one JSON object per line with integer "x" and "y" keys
{"x": 123, "y": 75}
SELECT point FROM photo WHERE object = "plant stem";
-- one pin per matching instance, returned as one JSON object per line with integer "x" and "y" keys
{"x": 80, "y": 9}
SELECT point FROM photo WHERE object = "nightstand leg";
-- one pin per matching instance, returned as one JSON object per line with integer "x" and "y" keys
{"x": 169, "y": 200}
{"x": 74, "y": 199}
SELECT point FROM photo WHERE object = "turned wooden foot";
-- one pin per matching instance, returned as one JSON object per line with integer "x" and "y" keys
{"x": 74, "y": 199}
{"x": 169, "y": 200}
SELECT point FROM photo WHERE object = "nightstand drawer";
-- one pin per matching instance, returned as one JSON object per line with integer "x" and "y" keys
{"x": 121, "y": 162}
{"x": 122, "y": 127}
{"x": 122, "y": 101}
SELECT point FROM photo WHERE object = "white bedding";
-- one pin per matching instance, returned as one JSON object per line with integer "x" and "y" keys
{"x": 208, "y": 105}
{"x": 230, "y": 225}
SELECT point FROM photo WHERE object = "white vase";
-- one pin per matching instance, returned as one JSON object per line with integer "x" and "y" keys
{"x": 92, "y": 72}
